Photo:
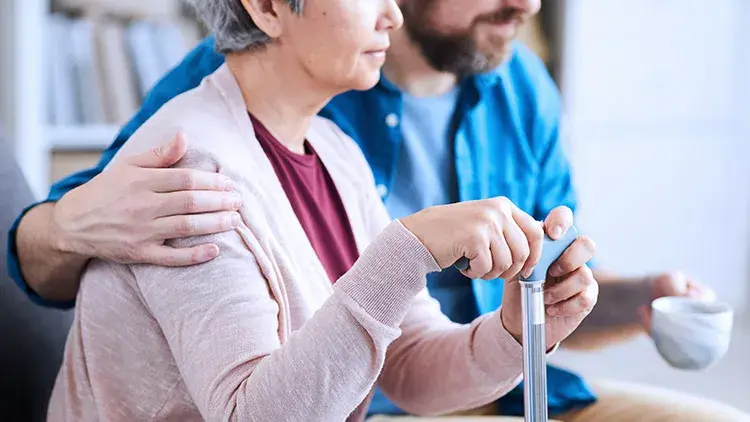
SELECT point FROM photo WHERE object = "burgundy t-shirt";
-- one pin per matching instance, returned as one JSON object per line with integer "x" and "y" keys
{"x": 315, "y": 201}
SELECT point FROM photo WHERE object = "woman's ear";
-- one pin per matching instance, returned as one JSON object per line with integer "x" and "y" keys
{"x": 265, "y": 15}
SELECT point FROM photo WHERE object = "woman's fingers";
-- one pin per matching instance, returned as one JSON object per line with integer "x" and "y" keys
{"x": 534, "y": 232}
{"x": 581, "y": 251}
{"x": 579, "y": 304}
{"x": 480, "y": 262}
{"x": 518, "y": 245}
{"x": 568, "y": 287}
{"x": 558, "y": 221}
{"x": 502, "y": 258}
{"x": 481, "y": 231}
{"x": 509, "y": 247}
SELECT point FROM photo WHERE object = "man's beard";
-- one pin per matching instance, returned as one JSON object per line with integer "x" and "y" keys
{"x": 455, "y": 53}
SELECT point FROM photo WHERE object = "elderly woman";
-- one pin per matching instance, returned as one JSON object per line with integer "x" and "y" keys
{"x": 316, "y": 295}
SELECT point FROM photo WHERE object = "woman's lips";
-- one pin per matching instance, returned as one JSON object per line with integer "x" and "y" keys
{"x": 377, "y": 54}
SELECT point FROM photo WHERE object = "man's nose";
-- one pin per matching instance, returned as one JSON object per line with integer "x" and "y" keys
{"x": 530, "y": 7}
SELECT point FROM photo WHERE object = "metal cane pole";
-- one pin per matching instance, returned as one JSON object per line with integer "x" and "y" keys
{"x": 533, "y": 330}
{"x": 534, "y": 352}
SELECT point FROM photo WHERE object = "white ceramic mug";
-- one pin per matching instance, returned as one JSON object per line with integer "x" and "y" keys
{"x": 691, "y": 333}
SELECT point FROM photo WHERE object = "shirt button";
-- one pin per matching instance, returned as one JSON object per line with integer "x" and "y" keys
{"x": 391, "y": 120}
{"x": 382, "y": 190}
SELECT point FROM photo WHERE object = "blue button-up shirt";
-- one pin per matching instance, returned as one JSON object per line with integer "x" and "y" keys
{"x": 507, "y": 143}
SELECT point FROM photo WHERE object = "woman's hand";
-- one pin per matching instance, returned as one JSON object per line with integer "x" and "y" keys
{"x": 498, "y": 238}
{"x": 502, "y": 241}
{"x": 570, "y": 291}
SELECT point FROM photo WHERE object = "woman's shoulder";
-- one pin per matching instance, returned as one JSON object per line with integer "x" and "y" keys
{"x": 201, "y": 114}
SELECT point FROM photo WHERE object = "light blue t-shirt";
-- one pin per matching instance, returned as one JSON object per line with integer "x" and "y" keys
{"x": 426, "y": 176}
{"x": 425, "y": 170}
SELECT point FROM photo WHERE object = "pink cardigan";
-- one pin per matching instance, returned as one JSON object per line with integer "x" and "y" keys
{"x": 260, "y": 334}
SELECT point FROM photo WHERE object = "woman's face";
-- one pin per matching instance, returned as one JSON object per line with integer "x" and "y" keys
{"x": 340, "y": 43}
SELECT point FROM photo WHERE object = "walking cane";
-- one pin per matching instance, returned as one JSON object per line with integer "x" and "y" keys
{"x": 534, "y": 342}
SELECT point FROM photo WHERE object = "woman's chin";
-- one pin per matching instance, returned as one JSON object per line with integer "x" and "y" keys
{"x": 366, "y": 81}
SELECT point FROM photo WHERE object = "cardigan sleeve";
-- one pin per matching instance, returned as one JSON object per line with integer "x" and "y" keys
{"x": 221, "y": 321}
{"x": 437, "y": 366}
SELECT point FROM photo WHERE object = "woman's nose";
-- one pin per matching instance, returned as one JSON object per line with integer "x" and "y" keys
{"x": 392, "y": 18}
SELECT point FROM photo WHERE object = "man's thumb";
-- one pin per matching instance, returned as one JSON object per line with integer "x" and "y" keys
{"x": 164, "y": 155}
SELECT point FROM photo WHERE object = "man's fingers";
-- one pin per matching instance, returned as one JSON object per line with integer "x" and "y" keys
{"x": 180, "y": 226}
{"x": 577, "y": 305}
{"x": 701, "y": 291}
{"x": 179, "y": 257}
{"x": 568, "y": 287}
{"x": 558, "y": 222}
{"x": 163, "y": 156}
{"x": 173, "y": 180}
{"x": 194, "y": 202}
{"x": 577, "y": 255}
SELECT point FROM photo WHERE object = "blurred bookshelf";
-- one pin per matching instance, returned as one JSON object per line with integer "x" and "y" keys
{"x": 72, "y": 72}
{"x": 103, "y": 64}
{"x": 104, "y": 57}
{"x": 85, "y": 137}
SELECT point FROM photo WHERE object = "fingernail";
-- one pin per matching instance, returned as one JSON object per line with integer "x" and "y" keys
{"x": 527, "y": 272}
{"x": 552, "y": 311}
{"x": 556, "y": 232}
{"x": 234, "y": 220}
{"x": 555, "y": 270}
{"x": 228, "y": 184}
{"x": 547, "y": 299}
{"x": 236, "y": 201}
{"x": 213, "y": 252}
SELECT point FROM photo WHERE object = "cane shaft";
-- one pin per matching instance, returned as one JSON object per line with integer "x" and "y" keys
{"x": 534, "y": 352}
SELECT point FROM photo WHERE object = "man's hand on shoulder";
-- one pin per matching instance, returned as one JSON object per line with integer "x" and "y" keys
{"x": 126, "y": 213}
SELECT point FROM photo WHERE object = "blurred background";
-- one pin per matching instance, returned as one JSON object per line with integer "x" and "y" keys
{"x": 657, "y": 96}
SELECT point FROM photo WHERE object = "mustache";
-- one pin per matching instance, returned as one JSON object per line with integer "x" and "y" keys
{"x": 505, "y": 15}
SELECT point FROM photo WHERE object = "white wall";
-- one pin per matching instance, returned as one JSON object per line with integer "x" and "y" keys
{"x": 22, "y": 97}
{"x": 659, "y": 143}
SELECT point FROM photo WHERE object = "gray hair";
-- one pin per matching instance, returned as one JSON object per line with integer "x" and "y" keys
{"x": 231, "y": 25}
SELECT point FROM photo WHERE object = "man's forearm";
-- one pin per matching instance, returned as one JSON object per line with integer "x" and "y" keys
{"x": 51, "y": 272}
{"x": 615, "y": 317}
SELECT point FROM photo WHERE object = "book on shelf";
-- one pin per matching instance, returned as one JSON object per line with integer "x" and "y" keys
{"x": 145, "y": 54}
{"x": 120, "y": 96}
{"x": 100, "y": 69}
{"x": 63, "y": 102}
{"x": 87, "y": 72}
{"x": 123, "y": 8}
